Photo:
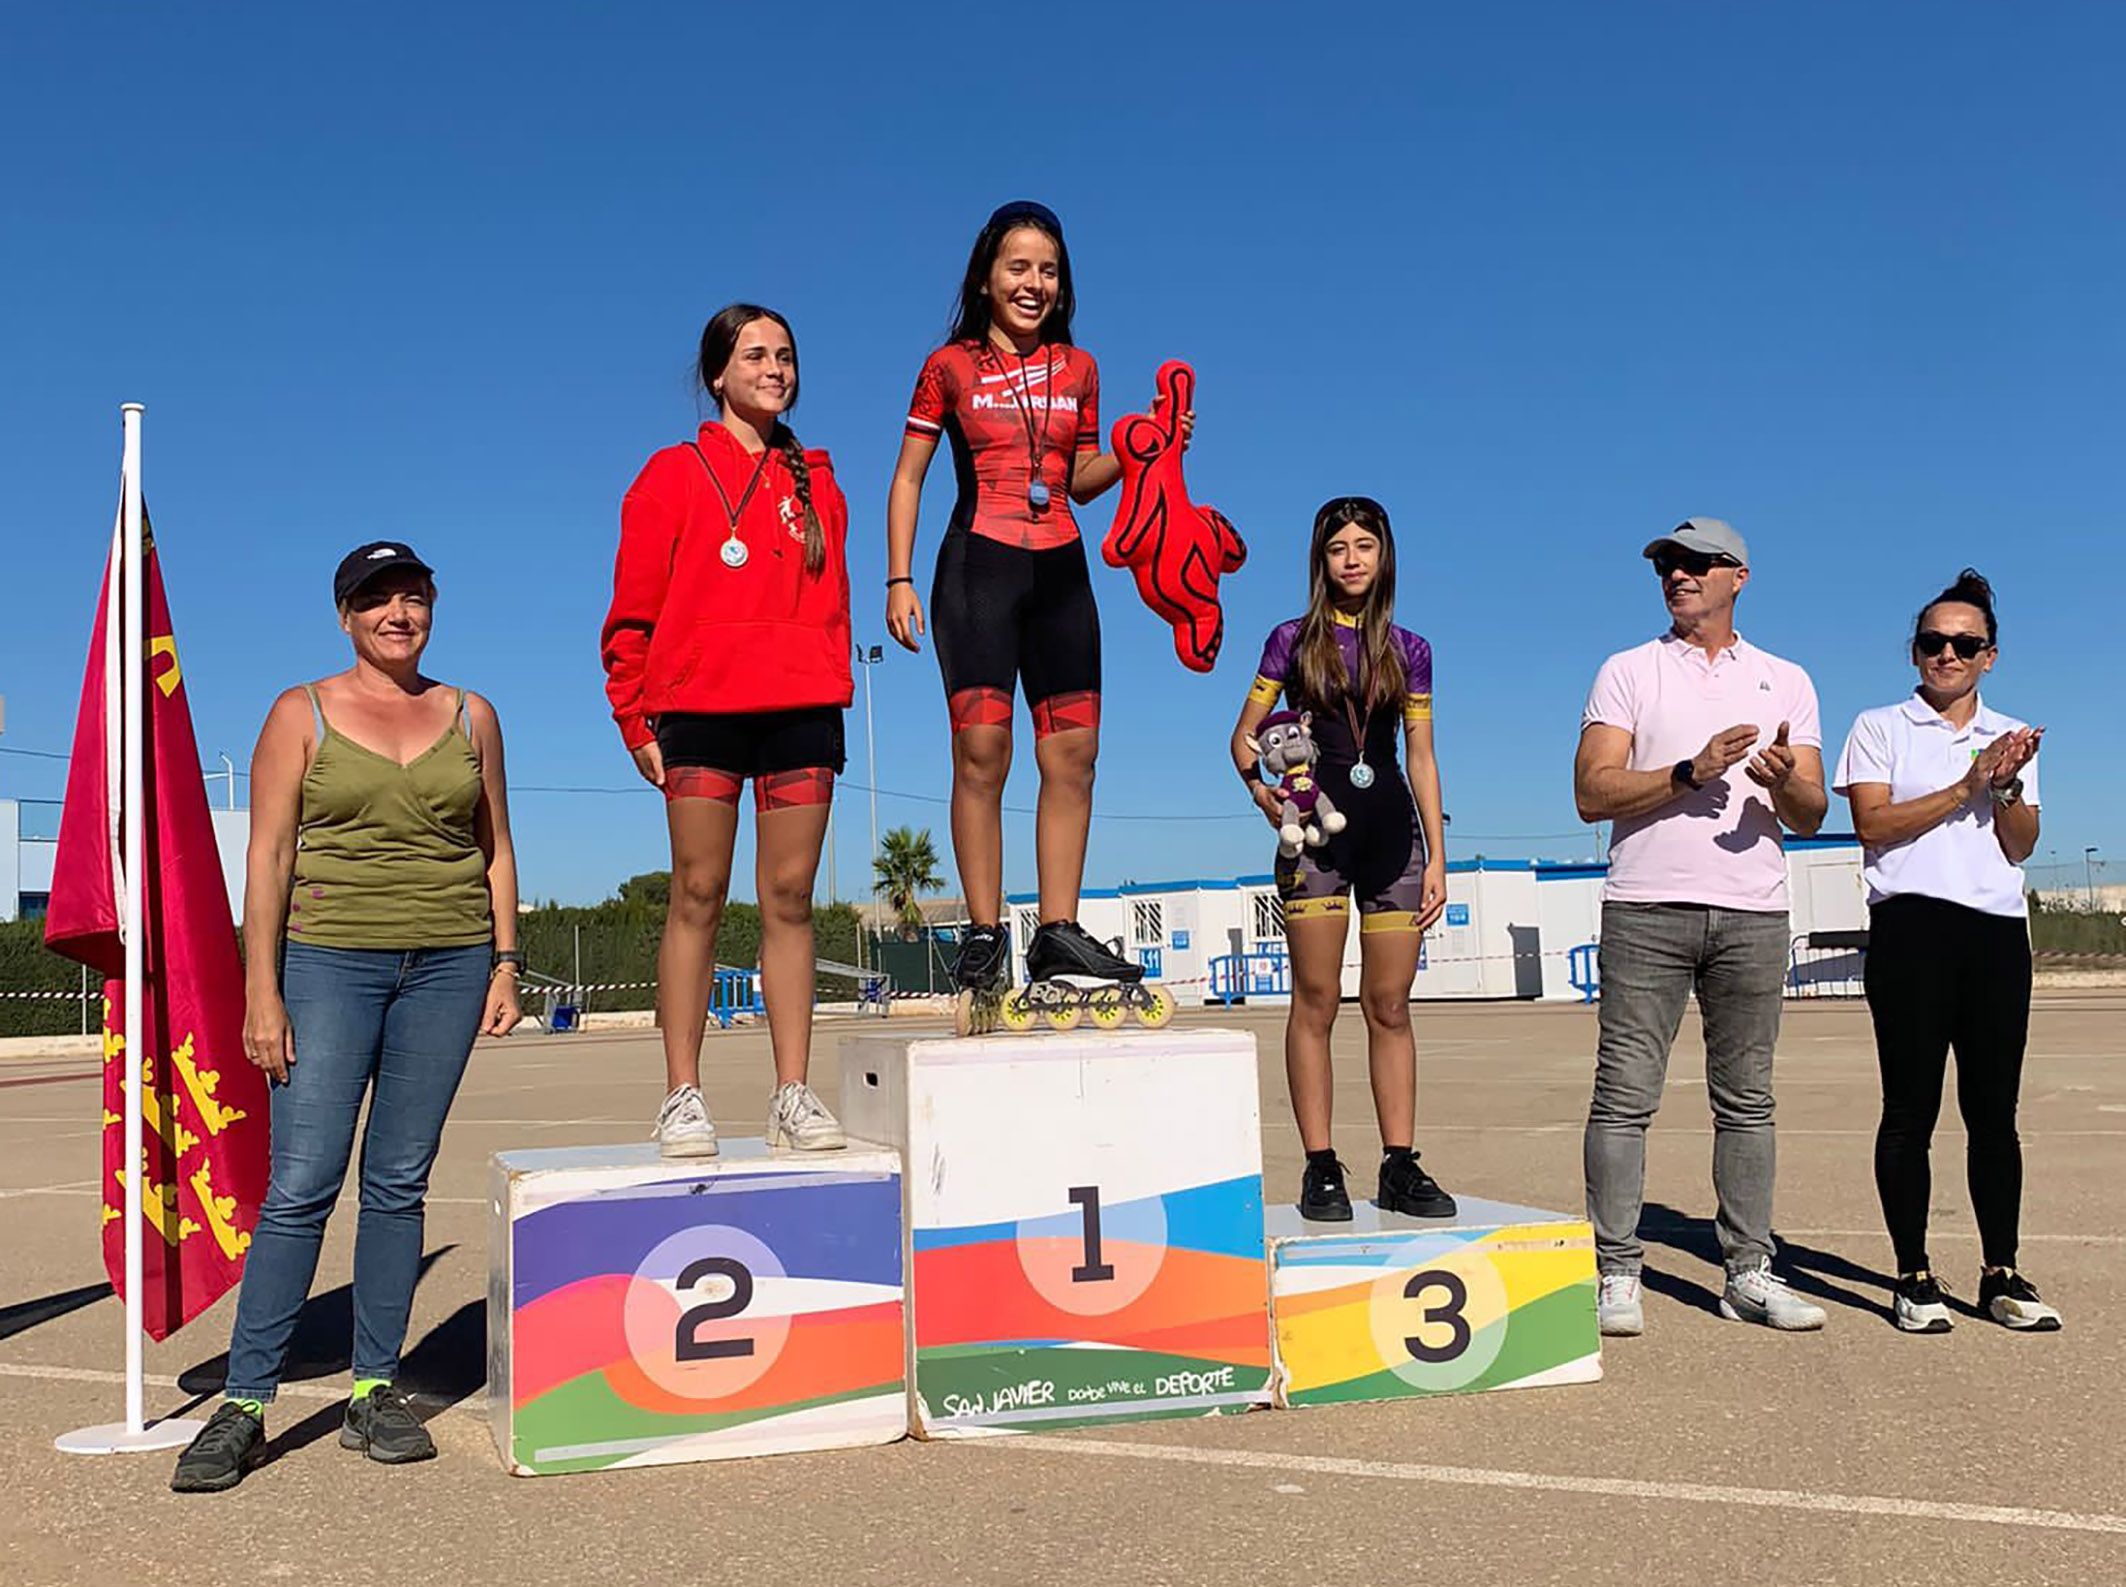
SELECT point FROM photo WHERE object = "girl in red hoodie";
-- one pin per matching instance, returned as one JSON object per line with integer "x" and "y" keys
{"x": 726, "y": 657}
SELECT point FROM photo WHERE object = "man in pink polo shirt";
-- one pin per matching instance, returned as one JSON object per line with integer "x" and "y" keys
{"x": 1698, "y": 747}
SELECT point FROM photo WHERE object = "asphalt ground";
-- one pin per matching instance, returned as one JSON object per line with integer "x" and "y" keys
{"x": 1710, "y": 1450}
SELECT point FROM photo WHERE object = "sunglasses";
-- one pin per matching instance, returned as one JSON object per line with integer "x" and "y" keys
{"x": 1696, "y": 563}
{"x": 1929, "y": 643}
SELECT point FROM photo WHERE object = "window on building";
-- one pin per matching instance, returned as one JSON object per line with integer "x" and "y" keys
{"x": 1147, "y": 922}
{"x": 34, "y": 906}
{"x": 1268, "y": 917}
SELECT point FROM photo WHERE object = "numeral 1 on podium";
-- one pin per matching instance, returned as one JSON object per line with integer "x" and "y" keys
{"x": 1092, "y": 1270}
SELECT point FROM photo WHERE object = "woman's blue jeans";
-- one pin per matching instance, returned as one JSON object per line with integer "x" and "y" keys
{"x": 404, "y": 1022}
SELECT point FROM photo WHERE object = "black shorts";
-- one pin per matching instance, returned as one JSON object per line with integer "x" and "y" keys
{"x": 792, "y": 756}
{"x": 1002, "y": 614}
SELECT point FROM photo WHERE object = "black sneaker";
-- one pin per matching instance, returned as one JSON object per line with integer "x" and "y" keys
{"x": 1407, "y": 1188}
{"x": 1322, "y": 1197}
{"x": 984, "y": 960}
{"x": 1917, "y": 1306}
{"x": 2012, "y": 1301}
{"x": 1063, "y": 947}
{"x": 382, "y": 1425}
{"x": 232, "y": 1443}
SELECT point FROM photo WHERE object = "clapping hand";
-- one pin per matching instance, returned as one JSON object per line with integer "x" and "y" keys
{"x": 2017, "y": 750}
{"x": 1722, "y": 750}
{"x": 1772, "y": 765}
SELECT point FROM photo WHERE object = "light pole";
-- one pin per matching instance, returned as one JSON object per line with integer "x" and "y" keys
{"x": 870, "y": 656}
{"x": 229, "y": 771}
{"x": 2089, "y": 873}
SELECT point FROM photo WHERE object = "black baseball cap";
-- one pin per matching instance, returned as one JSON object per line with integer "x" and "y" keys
{"x": 364, "y": 563}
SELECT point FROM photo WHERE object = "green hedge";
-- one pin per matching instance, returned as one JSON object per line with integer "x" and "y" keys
{"x": 2076, "y": 931}
{"x": 619, "y": 942}
{"x": 26, "y": 966}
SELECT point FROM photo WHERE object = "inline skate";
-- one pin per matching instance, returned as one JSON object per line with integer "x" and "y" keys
{"x": 983, "y": 973}
{"x": 1072, "y": 976}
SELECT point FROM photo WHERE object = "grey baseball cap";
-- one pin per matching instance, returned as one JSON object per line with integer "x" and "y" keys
{"x": 1714, "y": 537}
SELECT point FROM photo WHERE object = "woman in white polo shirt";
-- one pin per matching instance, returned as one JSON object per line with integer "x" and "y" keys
{"x": 1944, "y": 797}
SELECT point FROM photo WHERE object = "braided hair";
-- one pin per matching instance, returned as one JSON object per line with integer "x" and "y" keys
{"x": 719, "y": 339}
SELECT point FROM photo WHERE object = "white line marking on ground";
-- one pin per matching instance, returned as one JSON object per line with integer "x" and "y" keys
{"x": 70, "y": 1188}
{"x": 474, "y": 1404}
{"x": 1609, "y": 1487}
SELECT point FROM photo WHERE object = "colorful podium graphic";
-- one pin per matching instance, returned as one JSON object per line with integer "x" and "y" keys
{"x": 1084, "y": 1223}
{"x": 644, "y": 1311}
{"x": 1386, "y": 1306}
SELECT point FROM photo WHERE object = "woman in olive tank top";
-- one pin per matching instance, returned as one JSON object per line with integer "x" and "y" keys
{"x": 380, "y": 920}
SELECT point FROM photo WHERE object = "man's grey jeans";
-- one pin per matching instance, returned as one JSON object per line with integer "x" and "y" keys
{"x": 1653, "y": 956}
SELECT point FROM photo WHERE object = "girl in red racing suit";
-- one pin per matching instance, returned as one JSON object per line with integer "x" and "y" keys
{"x": 726, "y": 657}
{"x": 1011, "y": 600}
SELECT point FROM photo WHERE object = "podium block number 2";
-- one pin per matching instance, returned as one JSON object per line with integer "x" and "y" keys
{"x": 1095, "y": 1258}
{"x": 1440, "y": 1324}
{"x": 686, "y": 1345}
{"x": 694, "y": 1317}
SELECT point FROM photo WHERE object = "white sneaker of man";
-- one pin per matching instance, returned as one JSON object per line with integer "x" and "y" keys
{"x": 1619, "y": 1311}
{"x": 1757, "y": 1294}
{"x": 683, "y": 1125}
{"x": 797, "y": 1118}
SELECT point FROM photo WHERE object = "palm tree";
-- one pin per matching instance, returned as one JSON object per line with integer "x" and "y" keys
{"x": 907, "y": 866}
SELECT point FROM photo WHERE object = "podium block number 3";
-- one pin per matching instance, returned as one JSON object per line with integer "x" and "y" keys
{"x": 1437, "y": 1326}
{"x": 1094, "y": 1259}
{"x": 693, "y": 1318}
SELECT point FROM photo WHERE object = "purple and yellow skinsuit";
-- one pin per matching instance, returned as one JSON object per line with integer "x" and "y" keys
{"x": 1379, "y": 856}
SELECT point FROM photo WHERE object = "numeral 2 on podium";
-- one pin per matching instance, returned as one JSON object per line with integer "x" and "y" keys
{"x": 685, "y": 1347}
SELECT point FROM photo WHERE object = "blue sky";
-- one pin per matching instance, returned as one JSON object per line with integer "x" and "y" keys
{"x": 1543, "y": 278}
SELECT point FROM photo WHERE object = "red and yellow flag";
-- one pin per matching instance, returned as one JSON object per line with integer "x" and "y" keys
{"x": 204, "y": 1105}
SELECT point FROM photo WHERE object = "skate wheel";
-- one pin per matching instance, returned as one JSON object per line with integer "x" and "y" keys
{"x": 1107, "y": 1008}
{"x": 967, "y": 1014}
{"x": 1157, "y": 1009}
{"x": 1016, "y": 1012}
{"x": 1064, "y": 1013}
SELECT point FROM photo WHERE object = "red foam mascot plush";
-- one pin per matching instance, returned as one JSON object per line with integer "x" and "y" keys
{"x": 1176, "y": 549}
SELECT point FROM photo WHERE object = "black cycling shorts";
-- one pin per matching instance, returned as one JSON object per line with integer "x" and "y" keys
{"x": 1002, "y": 615}
{"x": 792, "y": 756}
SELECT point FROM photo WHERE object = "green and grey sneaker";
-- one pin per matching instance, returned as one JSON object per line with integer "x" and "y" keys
{"x": 232, "y": 1443}
{"x": 382, "y": 1425}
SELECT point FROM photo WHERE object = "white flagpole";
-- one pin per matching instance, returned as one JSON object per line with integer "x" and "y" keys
{"x": 133, "y": 1433}
{"x": 136, "y": 855}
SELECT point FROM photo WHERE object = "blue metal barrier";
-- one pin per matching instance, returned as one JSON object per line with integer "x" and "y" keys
{"x": 1583, "y": 970}
{"x": 1234, "y": 977}
{"x": 735, "y": 992}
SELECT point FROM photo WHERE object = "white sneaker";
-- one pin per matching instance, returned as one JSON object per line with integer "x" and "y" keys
{"x": 683, "y": 1125}
{"x": 1917, "y": 1306}
{"x": 1758, "y": 1295}
{"x": 1618, "y": 1310}
{"x": 797, "y": 1118}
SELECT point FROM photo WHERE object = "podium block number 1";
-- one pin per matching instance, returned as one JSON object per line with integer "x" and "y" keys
{"x": 1092, "y": 1270}
{"x": 1094, "y": 1259}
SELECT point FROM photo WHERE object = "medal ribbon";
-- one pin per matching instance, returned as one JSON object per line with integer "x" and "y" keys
{"x": 733, "y": 514}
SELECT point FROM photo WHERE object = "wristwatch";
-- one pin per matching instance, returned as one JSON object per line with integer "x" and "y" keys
{"x": 1680, "y": 772}
{"x": 2009, "y": 793}
{"x": 513, "y": 957}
